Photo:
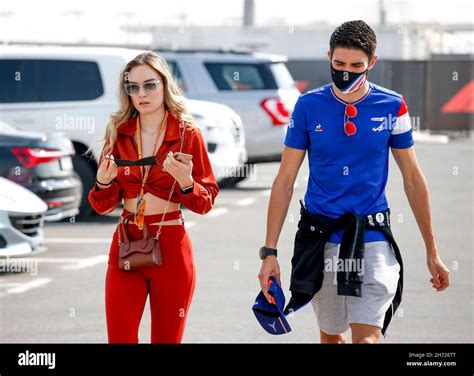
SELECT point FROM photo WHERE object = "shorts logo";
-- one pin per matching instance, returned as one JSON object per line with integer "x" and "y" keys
{"x": 379, "y": 217}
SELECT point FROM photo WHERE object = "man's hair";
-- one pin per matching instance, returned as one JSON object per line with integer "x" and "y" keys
{"x": 356, "y": 35}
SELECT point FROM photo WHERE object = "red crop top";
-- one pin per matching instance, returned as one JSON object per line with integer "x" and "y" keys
{"x": 128, "y": 181}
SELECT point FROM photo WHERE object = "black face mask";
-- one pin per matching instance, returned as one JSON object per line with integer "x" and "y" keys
{"x": 348, "y": 82}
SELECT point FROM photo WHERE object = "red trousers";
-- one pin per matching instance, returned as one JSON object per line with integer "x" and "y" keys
{"x": 170, "y": 287}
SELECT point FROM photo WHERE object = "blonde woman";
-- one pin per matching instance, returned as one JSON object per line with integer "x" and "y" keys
{"x": 151, "y": 122}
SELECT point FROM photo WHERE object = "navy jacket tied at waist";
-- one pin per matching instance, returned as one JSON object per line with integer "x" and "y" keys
{"x": 314, "y": 230}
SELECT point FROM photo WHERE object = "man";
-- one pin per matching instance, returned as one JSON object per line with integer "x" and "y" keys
{"x": 348, "y": 127}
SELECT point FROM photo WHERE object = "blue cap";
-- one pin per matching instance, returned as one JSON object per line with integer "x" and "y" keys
{"x": 270, "y": 315}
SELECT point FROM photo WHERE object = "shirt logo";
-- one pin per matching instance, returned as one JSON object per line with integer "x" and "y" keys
{"x": 385, "y": 123}
{"x": 380, "y": 128}
{"x": 319, "y": 128}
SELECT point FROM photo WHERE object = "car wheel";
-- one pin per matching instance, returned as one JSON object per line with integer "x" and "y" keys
{"x": 87, "y": 175}
{"x": 227, "y": 182}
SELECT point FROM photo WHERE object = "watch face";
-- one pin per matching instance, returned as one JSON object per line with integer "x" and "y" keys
{"x": 261, "y": 253}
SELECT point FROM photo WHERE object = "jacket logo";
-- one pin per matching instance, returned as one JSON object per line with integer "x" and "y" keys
{"x": 379, "y": 217}
{"x": 371, "y": 220}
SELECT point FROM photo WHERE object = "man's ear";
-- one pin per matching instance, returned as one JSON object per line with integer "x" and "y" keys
{"x": 329, "y": 55}
{"x": 372, "y": 62}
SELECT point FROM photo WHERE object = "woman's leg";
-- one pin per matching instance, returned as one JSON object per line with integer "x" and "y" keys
{"x": 171, "y": 286}
{"x": 125, "y": 297}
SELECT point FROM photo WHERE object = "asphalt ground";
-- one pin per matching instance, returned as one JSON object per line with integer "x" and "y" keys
{"x": 64, "y": 300}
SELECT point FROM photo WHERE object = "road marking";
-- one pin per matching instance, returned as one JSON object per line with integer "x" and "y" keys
{"x": 226, "y": 200}
{"x": 86, "y": 263}
{"x": 24, "y": 287}
{"x": 246, "y": 201}
{"x": 78, "y": 240}
{"x": 216, "y": 212}
{"x": 58, "y": 260}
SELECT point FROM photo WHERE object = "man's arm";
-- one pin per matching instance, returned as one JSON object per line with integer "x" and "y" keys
{"x": 416, "y": 190}
{"x": 282, "y": 191}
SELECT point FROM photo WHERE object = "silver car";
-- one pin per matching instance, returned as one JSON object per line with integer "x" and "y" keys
{"x": 21, "y": 221}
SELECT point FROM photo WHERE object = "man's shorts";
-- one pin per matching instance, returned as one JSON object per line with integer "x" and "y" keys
{"x": 335, "y": 312}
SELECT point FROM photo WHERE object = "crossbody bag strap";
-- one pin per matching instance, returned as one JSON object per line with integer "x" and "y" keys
{"x": 182, "y": 125}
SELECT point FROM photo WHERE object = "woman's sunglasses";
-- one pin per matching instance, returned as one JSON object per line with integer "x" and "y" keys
{"x": 132, "y": 88}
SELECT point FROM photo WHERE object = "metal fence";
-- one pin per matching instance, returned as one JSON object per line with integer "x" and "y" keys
{"x": 438, "y": 92}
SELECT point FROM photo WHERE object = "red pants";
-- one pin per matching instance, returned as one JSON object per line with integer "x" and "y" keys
{"x": 170, "y": 287}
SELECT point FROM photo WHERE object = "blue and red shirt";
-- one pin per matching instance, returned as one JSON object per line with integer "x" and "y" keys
{"x": 348, "y": 173}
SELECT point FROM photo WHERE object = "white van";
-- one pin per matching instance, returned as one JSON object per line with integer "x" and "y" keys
{"x": 74, "y": 89}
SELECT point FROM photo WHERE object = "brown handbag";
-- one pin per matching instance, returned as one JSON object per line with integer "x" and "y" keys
{"x": 141, "y": 253}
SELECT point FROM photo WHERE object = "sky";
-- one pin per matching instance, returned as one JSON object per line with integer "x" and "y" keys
{"x": 100, "y": 21}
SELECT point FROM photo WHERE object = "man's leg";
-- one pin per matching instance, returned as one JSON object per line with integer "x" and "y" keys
{"x": 366, "y": 314}
{"x": 330, "y": 308}
{"x": 362, "y": 333}
{"x": 333, "y": 338}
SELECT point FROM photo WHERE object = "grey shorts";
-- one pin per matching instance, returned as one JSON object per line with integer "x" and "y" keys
{"x": 335, "y": 313}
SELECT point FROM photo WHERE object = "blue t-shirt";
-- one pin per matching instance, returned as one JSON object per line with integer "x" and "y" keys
{"x": 348, "y": 173}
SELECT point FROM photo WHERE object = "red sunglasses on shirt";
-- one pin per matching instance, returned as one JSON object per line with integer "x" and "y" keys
{"x": 349, "y": 127}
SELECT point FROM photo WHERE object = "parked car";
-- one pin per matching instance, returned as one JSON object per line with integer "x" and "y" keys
{"x": 225, "y": 139}
{"x": 42, "y": 163}
{"x": 257, "y": 86}
{"x": 74, "y": 89}
{"x": 21, "y": 221}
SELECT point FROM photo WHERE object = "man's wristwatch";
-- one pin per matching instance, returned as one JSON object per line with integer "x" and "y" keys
{"x": 265, "y": 251}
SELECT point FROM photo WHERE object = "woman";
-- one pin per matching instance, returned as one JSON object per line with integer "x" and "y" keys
{"x": 151, "y": 121}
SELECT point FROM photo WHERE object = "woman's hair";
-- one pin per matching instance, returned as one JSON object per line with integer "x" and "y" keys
{"x": 173, "y": 99}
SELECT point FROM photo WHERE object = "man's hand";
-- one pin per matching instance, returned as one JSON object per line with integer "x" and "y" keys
{"x": 417, "y": 193}
{"x": 439, "y": 273}
{"x": 269, "y": 267}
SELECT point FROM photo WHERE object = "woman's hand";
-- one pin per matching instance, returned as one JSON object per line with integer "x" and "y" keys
{"x": 107, "y": 170}
{"x": 179, "y": 169}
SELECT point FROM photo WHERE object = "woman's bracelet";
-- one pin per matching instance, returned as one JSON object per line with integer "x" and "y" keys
{"x": 105, "y": 185}
{"x": 188, "y": 189}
